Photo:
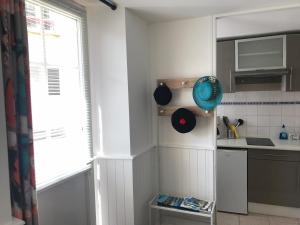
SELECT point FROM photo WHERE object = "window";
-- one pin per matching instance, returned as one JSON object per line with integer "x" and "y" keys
{"x": 31, "y": 15}
{"x": 60, "y": 103}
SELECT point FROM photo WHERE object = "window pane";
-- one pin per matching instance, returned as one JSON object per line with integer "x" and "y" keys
{"x": 58, "y": 106}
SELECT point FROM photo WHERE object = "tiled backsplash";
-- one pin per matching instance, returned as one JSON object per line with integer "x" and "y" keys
{"x": 263, "y": 112}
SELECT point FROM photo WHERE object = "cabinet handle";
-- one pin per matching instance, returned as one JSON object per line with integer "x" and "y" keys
{"x": 291, "y": 78}
{"x": 272, "y": 155}
{"x": 230, "y": 74}
{"x": 298, "y": 182}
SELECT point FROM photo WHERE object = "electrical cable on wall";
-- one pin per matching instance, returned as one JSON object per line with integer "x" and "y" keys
{"x": 110, "y": 4}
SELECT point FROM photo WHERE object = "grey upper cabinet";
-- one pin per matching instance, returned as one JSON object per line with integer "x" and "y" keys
{"x": 261, "y": 53}
{"x": 293, "y": 62}
{"x": 226, "y": 64}
{"x": 274, "y": 177}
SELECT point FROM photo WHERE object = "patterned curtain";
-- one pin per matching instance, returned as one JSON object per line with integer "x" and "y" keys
{"x": 15, "y": 64}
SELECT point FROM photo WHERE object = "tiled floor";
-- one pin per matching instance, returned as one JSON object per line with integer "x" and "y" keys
{"x": 254, "y": 219}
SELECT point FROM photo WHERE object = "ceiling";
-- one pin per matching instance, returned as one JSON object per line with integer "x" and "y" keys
{"x": 165, "y": 10}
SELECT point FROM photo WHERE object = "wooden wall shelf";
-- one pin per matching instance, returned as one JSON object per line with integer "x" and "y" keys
{"x": 174, "y": 84}
{"x": 169, "y": 110}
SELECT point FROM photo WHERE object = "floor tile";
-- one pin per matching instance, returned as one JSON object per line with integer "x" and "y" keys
{"x": 227, "y": 219}
{"x": 254, "y": 219}
{"x": 275, "y": 220}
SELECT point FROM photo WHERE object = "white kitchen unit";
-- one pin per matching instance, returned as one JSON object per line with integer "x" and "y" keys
{"x": 262, "y": 53}
{"x": 232, "y": 180}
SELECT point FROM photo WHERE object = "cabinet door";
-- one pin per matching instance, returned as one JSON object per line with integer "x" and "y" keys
{"x": 225, "y": 65}
{"x": 274, "y": 182}
{"x": 260, "y": 53}
{"x": 293, "y": 62}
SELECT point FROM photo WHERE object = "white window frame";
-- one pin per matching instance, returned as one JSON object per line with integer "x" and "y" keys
{"x": 78, "y": 12}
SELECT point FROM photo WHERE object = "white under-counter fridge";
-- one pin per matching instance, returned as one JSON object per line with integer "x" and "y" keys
{"x": 232, "y": 180}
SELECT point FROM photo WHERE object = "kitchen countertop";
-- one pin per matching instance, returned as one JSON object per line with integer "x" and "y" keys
{"x": 279, "y": 144}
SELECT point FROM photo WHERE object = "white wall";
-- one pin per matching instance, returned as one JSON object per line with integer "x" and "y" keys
{"x": 109, "y": 81}
{"x": 259, "y": 23}
{"x": 119, "y": 39}
{"x": 66, "y": 203}
{"x": 5, "y": 207}
{"x": 182, "y": 49}
{"x": 145, "y": 164}
{"x": 139, "y": 83}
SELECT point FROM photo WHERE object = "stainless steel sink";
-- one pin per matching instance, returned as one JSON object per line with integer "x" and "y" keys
{"x": 259, "y": 141}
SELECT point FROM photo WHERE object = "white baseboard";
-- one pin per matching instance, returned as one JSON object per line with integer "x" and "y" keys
{"x": 274, "y": 210}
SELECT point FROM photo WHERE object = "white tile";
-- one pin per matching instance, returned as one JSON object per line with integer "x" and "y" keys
{"x": 263, "y": 110}
{"x": 297, "y": 108}
{"x": 290, "y": 130}
{"x": 228, "y": 97}
{"x": 297, "y": 96}
{"x": 251, "y": 121}
{"x": 251, "y": 131}
{"x": 275, "y": 96}
{"x": 287, "y": 96}
{"x": 289, "y": 121}
{"x": 251, "y": 110}
{"x": 274, "y": 110}
{"x": 240, "y": 97}
{"x": 263, "y": 132}
{"x": 227, "y": 219}
{"x": 253, "y": 96}
{"x": 288, "y": 110}
{"x": 275, "y": 121}
{"x": 242, "y": 130}
{"x": 240, "y": 111}
{"x": 254, "y": 219}
{"x": 227, "y": 110}
{"x": 264, "y": 96}
{"x": 297, "y": 119}
{"x": 263, "y": 121}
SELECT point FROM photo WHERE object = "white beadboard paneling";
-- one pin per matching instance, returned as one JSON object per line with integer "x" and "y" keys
{"x": 201, "y": 180}
{"x": 145, "y": 184}
{"x": 116, "y": 192}
{"x": 120, "y": 186}
{"x": 129, "y": 210}
{"x": 112, "y": 194}
{"x": 187, "y": 172}
{"x": 193, "y": 171}
{"x": 103, "y": 192}
{"x": 209, "y": 175}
